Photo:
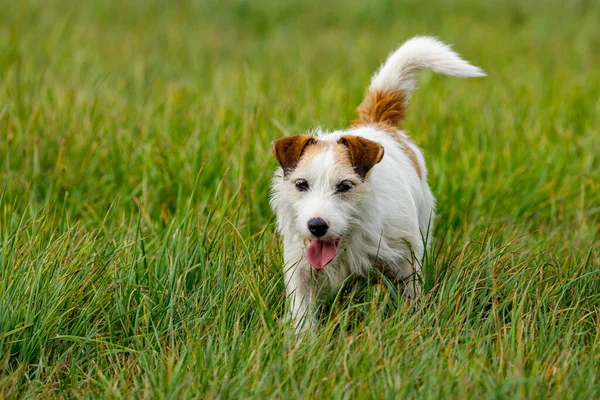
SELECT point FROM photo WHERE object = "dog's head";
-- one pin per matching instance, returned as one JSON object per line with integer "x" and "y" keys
{"x": 324, "y": 185}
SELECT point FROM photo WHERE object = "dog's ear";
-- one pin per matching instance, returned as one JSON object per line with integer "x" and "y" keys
{"x": 288, "y": 150}
{"x": 364, "y": 153}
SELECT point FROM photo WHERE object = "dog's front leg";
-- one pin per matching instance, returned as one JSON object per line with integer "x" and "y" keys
{"x": 300, "y": 295}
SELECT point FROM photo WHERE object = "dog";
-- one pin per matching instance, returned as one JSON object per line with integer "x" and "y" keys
{"x": 351, "y": 201}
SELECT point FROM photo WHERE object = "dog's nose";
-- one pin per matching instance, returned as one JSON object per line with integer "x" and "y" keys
{"x": 317, "y": 226}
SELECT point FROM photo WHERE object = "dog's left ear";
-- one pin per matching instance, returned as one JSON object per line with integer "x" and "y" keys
{"x": 288, "y": 150}
{"x": 364, "y": 153}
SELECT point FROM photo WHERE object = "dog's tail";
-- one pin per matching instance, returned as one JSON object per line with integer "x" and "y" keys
{"x": 393, "y": 84}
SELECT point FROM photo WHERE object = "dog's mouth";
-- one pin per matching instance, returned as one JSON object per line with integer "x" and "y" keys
{"x": 320, "y": 252}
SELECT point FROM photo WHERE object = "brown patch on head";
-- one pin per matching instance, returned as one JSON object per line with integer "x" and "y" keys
{"x": 321, "y": 146}
{"x": 364, "y": 153}
{"x": 287, "y": 151}
{"x": 382, "y": 107}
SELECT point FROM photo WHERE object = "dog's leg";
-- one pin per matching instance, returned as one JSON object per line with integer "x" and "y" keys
{"x": 412, "y": 287}
{"x": 300, "y": 295}
{"x": 414, "y": 279}
{"x": 405, "y": 275}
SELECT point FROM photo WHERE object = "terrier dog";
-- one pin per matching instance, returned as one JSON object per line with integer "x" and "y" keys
{"x": 357, "y": 199}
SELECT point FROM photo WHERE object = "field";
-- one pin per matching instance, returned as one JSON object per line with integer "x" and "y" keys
{"x": 137, "y": 248}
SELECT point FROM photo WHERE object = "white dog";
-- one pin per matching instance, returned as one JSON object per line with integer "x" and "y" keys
{"x": 357, "y": 199}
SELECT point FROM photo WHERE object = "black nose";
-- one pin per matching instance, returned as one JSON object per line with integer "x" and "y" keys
{"x": 317, "y": 226}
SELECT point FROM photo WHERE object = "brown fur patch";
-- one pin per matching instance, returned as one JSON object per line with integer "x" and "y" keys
{"x": 364, "y": 153}
{"x": 320, "y": 146}
{"x": 403, "y": 141}
{"x": 287, "y": 151}
{"x": 410, "y": 154}
{"x": 382, "y": 107}
{"x": 385, "y": 110}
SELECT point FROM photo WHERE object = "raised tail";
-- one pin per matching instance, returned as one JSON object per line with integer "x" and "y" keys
{"x": 393, "y": 84}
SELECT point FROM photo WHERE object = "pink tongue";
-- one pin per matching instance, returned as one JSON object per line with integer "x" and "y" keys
{"x": 320, "y": 253}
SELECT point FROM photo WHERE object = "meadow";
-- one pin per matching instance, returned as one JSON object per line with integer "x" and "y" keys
{"x": 137, "y": 249}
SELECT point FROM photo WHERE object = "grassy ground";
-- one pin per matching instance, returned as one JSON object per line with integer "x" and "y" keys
{"x": 137, "y": 254}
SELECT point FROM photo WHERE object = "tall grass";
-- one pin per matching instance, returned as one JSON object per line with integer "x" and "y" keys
{"x": 137, "y": 252}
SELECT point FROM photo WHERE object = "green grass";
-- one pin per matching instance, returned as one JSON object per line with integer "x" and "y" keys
{"x": 137, "y": 253}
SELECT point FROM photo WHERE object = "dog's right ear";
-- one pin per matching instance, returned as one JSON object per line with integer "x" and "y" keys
{"x": 287, "y": 151}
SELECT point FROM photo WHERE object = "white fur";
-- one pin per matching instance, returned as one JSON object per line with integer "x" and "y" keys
{"x": 387, "y": 219}
{"x": 421, "y": 52}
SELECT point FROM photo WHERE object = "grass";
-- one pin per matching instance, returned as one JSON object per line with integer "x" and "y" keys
{"x": 137, "y": 253}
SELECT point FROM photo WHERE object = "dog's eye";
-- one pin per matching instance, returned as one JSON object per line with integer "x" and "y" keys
{"x": 301, "y": 185}
{"x": 343, "y": 187}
